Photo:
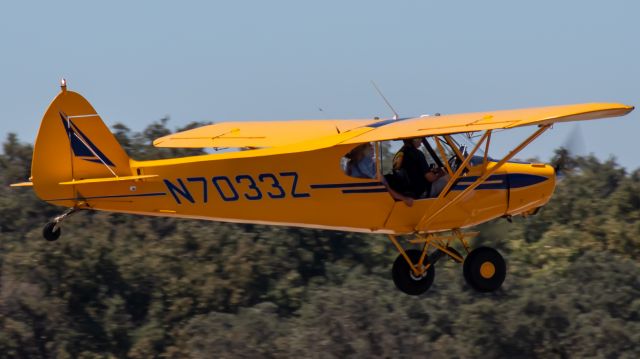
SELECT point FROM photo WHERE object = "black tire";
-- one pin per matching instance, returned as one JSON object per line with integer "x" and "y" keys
{"x": 50, "y": 232}
{"x": 404, "y": 278}
{"x": 484, "y": 269}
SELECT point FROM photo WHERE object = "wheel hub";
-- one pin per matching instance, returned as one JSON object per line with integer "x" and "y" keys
{"x": 422, "y": 274}
{"x": 487, "y": 270}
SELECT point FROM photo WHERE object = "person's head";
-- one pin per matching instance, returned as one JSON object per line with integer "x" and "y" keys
{"x": 359, "y": 152}
{"x": 413, "y": 142}
{"x": 367, "y": 149}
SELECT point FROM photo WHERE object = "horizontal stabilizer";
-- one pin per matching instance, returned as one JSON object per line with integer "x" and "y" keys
{"x": 22, "y": 184}
{"x": 108, "y": 179}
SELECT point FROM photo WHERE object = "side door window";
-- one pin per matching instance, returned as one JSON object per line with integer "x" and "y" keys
{"x": 361, "y": 162}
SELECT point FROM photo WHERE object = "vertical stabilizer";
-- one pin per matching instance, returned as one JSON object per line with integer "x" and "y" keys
{"x": 73, "y": 144}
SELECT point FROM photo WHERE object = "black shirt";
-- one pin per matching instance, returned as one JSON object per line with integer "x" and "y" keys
{"x": 415, "y": 164}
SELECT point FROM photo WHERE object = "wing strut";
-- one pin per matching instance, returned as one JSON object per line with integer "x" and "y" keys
{"x": 439, "y": 203}
{"x": 444, "y": 156}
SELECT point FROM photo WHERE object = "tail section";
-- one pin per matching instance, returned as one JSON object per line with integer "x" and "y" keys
{"x": 74, "y": 144}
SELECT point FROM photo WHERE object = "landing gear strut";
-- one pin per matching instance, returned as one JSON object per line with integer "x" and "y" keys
{"x": 413, "y": 271}
{"x": 51, "y": 231}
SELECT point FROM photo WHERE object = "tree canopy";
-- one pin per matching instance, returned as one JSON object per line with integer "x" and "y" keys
{"x": 129, "y": 286}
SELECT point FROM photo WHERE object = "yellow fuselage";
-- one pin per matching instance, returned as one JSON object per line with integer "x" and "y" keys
{"x": 77, "y": 162}
{"x": 306, "y": 189}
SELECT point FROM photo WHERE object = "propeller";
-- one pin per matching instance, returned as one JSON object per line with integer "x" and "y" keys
{"x": 574, "y": 145}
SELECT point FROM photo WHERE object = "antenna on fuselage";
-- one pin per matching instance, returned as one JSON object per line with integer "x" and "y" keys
{"x": 395, "y": 114}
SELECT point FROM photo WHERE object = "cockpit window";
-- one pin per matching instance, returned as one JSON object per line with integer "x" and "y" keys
{"x": 360, "y": 162}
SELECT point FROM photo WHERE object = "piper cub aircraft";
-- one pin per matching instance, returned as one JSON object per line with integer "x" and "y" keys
{"x": 324, "y": 174}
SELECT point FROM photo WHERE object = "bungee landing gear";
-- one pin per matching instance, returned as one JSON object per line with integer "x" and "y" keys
{"x": 413, "y": 271}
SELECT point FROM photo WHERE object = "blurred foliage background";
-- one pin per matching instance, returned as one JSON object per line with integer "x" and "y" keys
{"x": 141, "y": 287}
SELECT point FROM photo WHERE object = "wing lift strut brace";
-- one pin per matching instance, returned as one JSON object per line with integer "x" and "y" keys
{"x": 443, "y": 202}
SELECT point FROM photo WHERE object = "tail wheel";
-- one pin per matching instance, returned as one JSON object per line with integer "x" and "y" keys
{"x": 484, "y": 269}
{"x": 51, "y": 232}
{"x": 406, "y": 280}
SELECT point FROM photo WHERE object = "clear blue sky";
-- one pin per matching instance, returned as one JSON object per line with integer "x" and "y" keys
{"x": 138, "y": 61}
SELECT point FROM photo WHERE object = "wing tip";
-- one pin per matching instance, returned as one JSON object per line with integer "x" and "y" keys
{"x": 626, "y": 109}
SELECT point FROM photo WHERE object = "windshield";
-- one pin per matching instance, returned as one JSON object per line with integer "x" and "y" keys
{"x": 466, "y": 142}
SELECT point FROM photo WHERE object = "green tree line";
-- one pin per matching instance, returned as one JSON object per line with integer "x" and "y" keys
{"x": 123, "y": 286}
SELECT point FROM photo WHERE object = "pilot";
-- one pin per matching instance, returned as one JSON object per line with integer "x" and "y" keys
{"x": 415, "y": 176}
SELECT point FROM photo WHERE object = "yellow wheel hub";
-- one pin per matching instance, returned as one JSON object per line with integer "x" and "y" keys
{"x": 487, "y": 270}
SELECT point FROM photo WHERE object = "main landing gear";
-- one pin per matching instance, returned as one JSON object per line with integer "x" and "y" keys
{"x": 413, "y": 271}
{"x": 51, "y": 231}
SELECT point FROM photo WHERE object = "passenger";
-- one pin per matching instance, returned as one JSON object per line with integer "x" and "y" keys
{"x": 361, "y": 163}
{"x": 412, "y": 171}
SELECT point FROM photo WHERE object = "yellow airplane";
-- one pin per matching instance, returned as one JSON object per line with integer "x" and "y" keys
{"x": 295, "y": 173}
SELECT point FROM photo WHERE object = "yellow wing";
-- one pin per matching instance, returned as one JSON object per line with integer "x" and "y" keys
{"x": 479, "y": 121}
{"x": 281, "y": 133}
{"x": 257, "y": 134}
